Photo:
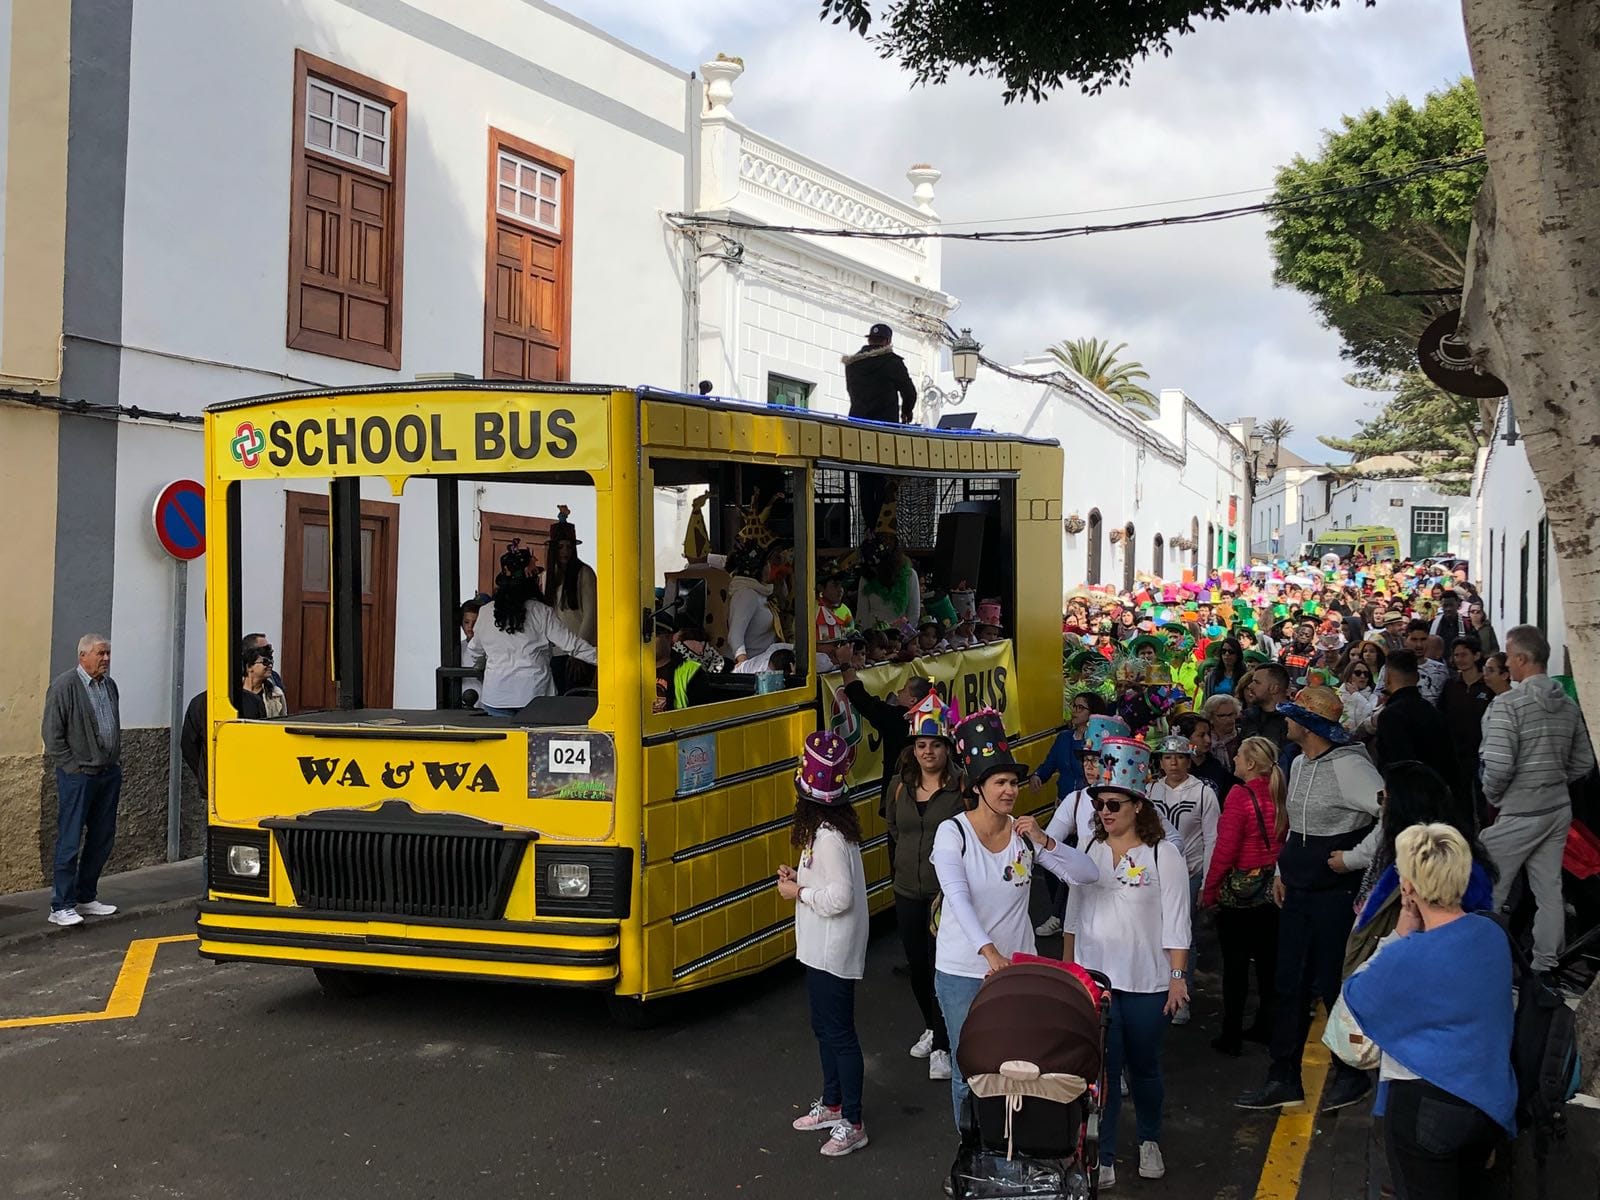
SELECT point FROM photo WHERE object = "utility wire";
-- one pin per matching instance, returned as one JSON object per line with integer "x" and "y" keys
{"x": 694, "y": 220}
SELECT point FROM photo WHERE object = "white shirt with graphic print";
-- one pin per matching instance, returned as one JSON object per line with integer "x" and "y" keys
{"x": 1193, "y": 809}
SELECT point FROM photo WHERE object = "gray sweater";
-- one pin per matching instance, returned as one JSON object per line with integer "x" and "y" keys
{"x": 70, "y": 737}
{"x": 1534, "y": 745}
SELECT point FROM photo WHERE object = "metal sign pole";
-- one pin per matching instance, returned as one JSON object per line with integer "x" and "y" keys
{"x": 180, "y": 624}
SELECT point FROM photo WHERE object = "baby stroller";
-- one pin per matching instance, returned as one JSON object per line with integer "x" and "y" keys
{"x": 1032, "y": 1050}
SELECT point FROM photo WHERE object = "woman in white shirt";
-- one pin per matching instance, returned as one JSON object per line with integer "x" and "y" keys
{"x": 516, "y": 645}
{"x": 570, "y": 590}
{"x": 830, "y": 932}
{"x": 1132, "y": 925}
{"x": 985, "y": 860}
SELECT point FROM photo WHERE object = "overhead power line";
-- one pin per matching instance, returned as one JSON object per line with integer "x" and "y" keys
{"x": 694, "y": 220}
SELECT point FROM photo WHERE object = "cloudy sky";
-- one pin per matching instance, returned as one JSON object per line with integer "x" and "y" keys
{"x": 1233, "y": 102}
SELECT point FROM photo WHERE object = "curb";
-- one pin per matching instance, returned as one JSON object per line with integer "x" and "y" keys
{"x": 46, "y": 931}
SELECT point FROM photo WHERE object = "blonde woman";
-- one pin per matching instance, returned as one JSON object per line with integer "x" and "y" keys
{"x": 1239, "y": 886}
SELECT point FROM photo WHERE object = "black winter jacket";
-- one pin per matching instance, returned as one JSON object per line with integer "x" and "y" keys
{"x": 874, "y": 377}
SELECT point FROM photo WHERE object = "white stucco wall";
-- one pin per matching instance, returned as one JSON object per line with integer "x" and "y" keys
{"x": 1510, "y": 505}
{"x": 1156, "y": 485}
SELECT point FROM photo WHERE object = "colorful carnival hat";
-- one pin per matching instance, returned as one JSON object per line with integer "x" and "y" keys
{"x": 824, "y": 765}
{"x": 1124, "y": 767}
{"x": 981, "y": 744}
{"x": 697, "y": 538}
{"x": 1099, "y": 728}
{"x": 1256, "y": 658}
{"x": 1161, "y": 645}
{"x": 989, "y": 614}
{"x": 564, "y": 530}
{"x": 931, "y": 717}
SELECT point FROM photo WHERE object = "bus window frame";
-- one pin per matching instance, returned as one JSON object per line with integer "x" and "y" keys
{"x": 705, "y": 718}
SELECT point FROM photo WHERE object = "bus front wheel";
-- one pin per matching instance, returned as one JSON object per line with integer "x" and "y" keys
{"x": 345, "y": 985}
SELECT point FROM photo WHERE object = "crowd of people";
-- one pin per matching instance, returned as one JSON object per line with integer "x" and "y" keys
{"x": 1337, "y": 763}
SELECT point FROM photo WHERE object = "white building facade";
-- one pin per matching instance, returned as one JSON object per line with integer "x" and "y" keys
{"x": 1143, "y": 498}
{"x": 1296, "y": 505}
{"x": 1514, "y": 562}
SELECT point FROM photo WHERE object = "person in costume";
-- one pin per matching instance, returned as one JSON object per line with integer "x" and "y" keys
{"x": 985, "y": 859}
{"x": 753, "y": 621}
{"x": 1132, "y": 924}
{"x": 925, "y": 792}
{"x": 681, "y": 670}
{"x": 889, "y": 591}
{"x": 571, "y": 589}
{"x": 829, "y": 892}
{"x": 988, "y": 626}
{"x": 1191, "y": 805}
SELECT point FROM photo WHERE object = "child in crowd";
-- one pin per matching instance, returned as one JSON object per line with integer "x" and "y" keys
{"x": 1190, "y": 804}
{"x": 829, "y": 891}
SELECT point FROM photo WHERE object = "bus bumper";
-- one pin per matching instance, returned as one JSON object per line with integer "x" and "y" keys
{"x": 568, "y": 953}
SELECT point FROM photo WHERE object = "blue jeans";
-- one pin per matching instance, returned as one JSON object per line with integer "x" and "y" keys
{"x": 956, "y": 994}
{"x": 498, "y": 712}
{"x": 87, "y": 820}
{"x": 833, "y": 1020}
{"x": 1134, "y": 1040}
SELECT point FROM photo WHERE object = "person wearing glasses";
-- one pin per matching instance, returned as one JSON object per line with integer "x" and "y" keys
{"x": 1358, "y": 694}
{"x": 1223, "y": 672}
{"x": 1131, "y": 922}
{"x": 258, "y": 699}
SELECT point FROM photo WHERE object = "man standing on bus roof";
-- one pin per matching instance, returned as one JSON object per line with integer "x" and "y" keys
{"x": 82, "y": 732}
{"x": 875, "y": 375}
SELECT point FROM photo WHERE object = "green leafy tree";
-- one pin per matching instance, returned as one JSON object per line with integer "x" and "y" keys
{"x": 1097, "y": 362}
{"x": 1275, "y": 431}
{"x": 1350, "y": 253}
{"x": 1439, "y": 432}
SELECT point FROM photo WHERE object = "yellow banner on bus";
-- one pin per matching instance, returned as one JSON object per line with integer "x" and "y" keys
{"x": 978, "y": 677}
{"x": 413, "y": 433}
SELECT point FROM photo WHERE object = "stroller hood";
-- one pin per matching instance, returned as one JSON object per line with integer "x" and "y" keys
{"x": 1034, "y": 1012}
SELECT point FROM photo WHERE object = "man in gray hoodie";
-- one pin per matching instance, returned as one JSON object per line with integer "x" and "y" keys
{"x": 82, "y": 732}
{"x": 1534, "y": 745}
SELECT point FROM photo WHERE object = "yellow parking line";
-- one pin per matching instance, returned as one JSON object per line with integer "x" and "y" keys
{"x": 1291, "y": 1137}
{"x": 127, "y": 994}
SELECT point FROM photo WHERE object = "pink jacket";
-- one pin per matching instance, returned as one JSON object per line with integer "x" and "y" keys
{"x": 1239, "y": 841}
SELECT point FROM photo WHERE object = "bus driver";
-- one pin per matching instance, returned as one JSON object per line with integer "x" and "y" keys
{"x": 516, "y": 646}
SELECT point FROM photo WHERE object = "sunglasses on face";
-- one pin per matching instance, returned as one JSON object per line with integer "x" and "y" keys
{"x": 1361, "y": 674}
{"x": 1111, "y": 806}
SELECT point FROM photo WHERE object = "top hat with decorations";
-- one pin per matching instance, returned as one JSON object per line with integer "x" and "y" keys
{"x": 824, "y": 767}
{"x": 755, "y": 541}
{"x": 564, "y": 530}
{"x": 931, "y": 717}
{"x": 982, "y": 746}
{"x": 989, "y": 614}
{"x": 1099, "y": 728}
{"x": 1124, "y": 767}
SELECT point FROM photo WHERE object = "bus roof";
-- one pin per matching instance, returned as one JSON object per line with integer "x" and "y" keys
{"x": 716, "y": 403}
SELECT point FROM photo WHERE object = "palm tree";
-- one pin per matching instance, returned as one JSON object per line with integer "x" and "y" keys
{"x": 1097, "y": 362}
{"x": 1275, "y": 431}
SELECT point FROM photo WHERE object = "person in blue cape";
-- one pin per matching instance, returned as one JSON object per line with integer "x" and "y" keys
{"x": 1436, "y": 999}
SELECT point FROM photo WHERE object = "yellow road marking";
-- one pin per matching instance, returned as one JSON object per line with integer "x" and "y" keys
{"x": 127, "y": 994}
{"x": 1291, "y": 1137}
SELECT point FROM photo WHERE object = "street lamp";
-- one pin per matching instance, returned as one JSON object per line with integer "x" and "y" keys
{"x": 964, "y": 360}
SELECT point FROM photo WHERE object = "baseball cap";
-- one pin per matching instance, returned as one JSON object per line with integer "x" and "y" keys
{"x": 880, "y": 330}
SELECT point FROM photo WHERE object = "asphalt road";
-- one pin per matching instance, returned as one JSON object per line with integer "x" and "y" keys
{"x": 245, "y": 1081}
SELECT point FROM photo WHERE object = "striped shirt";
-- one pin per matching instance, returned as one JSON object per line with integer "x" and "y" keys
{"x": 100, "y": 702}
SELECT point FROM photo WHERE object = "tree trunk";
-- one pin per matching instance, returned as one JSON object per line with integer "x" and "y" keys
{"x": 1532, "y": 299}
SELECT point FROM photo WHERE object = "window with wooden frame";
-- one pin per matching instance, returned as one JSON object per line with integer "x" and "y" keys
{"x": 527, "y": 300}
{"x": 346, "y": 214}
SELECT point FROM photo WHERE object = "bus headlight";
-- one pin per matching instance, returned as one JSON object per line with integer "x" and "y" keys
{"x": 245, "y": 861}
{"x": 569, "y": 881}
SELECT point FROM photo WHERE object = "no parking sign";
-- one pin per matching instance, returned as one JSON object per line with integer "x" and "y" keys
{"x": 180, "y": 519}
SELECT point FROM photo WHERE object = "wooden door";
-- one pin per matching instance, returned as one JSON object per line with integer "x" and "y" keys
{"x": 495, "y": 531}
{"x": 527, "y": 332}
{"x": 306, "y": 659}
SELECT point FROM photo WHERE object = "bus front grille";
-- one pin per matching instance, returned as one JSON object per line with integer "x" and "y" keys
{"x": 459, "y": 876}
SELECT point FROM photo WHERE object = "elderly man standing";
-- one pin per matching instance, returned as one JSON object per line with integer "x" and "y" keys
{"x": 83, "y": 736}
{"x": 1534, "y": 745}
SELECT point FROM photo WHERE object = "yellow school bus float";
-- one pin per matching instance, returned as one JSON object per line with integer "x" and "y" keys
{"x": 590, "y": 840}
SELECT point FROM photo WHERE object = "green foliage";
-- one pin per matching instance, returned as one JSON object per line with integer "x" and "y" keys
{"x": 1347, "y": 253}
{"x": 1440, "y": 432}
{"x": 1035, "y": 47}
{"x": 1097, "y": 362}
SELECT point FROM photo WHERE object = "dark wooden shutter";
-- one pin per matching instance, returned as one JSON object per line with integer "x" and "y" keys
{"x": 346, "y": 236}
{"x": 528, "y": 282}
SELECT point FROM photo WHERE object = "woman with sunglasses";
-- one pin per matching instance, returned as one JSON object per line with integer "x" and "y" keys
{"x": 258, "y": 699}
{"x": 1478, "y": 626}
{"x": 1223, "y": 672}
{"x": 985, "y": 861}
{"x": 1358, "y": 694}
{"x": 1132, "y": 924}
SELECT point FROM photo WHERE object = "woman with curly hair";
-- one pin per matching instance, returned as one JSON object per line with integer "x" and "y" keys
{"x": 516, "y": 647}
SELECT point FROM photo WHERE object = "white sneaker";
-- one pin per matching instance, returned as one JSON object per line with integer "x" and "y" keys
{"x": 1108, "y": 1175}
{"x": 924, "y": 1046}
{"x": 845, "y": 1139}
{"x": 820, "y": 1117}
{"x": 1181, "y": 1017}
{"x": 939, "y": 1065}
{"x": 64, "y": 916}
{"x": 94, "y": 908}
{"x": 1049, "y": 928}
{"x": 1151, "y": 1164}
